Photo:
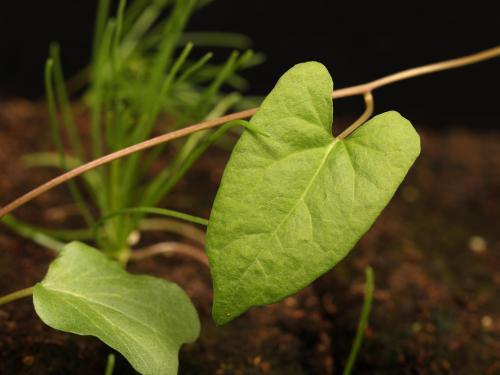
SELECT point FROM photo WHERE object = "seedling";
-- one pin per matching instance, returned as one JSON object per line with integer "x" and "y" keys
{"x": 293, "y": 201}
{"x": 133, "y": 80}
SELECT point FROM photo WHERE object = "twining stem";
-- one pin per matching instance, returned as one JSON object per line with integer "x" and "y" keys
{"x": 419, "y": 71}
{"x": 349, "y": 91}
{"x": 362, "y": 119}
{"x": 150, "y": 210}
{"x": 363, "y": 321}
{"x": 121, "y": 153}
{"x": 171, "y": 248}
{"x": 16, "y": 295}
{"x": 173, "y": 226}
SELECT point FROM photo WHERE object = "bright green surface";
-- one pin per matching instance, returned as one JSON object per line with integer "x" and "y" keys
{"x": 293, "y": 204}
{"x": 144, "y": 318}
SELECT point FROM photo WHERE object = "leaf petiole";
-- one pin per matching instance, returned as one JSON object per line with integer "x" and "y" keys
{"x": 26, "y": 292}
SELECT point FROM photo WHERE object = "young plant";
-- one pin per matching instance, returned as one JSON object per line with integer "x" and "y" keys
{"x": 134, "y": 80}
{"x": 293, "y": 201}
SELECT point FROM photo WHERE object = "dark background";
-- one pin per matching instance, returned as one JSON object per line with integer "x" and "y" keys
{"x": 357, "y": 40}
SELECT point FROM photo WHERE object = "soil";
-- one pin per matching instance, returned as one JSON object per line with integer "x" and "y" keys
{"x": 435, "y": 251}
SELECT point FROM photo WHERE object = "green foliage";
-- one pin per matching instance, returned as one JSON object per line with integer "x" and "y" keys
{"x": 290, "y": 206}
{"x": 292, "y": 203}
{"x": 144, "y": 318}
{"x": 141, "y": 72}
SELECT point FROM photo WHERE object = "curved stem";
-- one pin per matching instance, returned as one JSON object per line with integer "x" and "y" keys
{"x": 170, "y": 248}
{"x": 26, "y": 292}
{"x": 363, "y": 118}
{"x": 350, "y": 91}
{"x": 156, "y": 211}
{"x": 149, "y": 210}
{"x": 173, "y": 226}
{"x": 122, "y": 153}
{"x": 419, "y": 71}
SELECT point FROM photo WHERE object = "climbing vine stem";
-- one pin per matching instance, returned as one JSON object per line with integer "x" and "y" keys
{"x": 363, "y": 118}
{"x": 212, "y": 123}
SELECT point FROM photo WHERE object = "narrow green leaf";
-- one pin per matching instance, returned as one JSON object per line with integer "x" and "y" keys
{"x": 58, "y": 142}
{"x": 290, "y": 206}
{"x": 100, "y": 23}
{"x": 144, "y": 318}
{"x": 44, "y": 239}
{"x": 63, "y": 99}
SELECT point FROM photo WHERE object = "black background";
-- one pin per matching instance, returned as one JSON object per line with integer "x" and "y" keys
{"x": 357, "y": 40}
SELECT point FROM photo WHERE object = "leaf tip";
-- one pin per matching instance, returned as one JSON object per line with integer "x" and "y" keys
{"x": 219, "y": 316}
{"x": 223, "y": 313}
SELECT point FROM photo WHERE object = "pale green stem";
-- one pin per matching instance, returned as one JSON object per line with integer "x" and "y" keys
{"x": 110, "y": 364}
{"x": 363, "y": 321}
{"x": 16, "y": 295}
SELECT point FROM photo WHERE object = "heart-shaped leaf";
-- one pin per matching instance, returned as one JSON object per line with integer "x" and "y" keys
{"x": 144, "y": 318}
{"x": 290, "y": 206}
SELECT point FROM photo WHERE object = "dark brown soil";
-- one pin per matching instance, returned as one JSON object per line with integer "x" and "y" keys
{"x": 435, "y": 251}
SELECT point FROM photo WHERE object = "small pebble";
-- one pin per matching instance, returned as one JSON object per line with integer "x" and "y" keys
{"x": 477, "y": 244}
{"x": 416, "y": 327}
{"x": 487, "y": 322}
{"x": 134, "y": 238}
{"x": 28, "y": 360}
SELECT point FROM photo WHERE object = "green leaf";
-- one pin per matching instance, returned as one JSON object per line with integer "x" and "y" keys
{"x": 144, "y": 318}
{"x": 290, "y": 206}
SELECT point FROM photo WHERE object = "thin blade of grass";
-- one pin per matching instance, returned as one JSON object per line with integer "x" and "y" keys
{"x": 97, "y": 88}
{"x": 131, "y": 174}
{"x": 103, "y": 7}
{"x": 57, "y": 139}
{"x": 153, "y": 197}
{"x": 363, "y": 321}
{"x": 156, "y": 211}
{"x": 110, "y": 365}
{"x": 62, "y": 97}
{"x": 138, "y": 23}
{"x": 166, "y": 180}
{"x": 32, "y": 234}
{"x": 65, "y": 235}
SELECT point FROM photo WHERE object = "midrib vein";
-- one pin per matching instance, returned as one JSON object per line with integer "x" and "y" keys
{"x": 99, "y": 303}
{"x": 328, "y": 151}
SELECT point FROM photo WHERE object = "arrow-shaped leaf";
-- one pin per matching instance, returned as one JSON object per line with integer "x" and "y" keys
{"x": 144, "y": 318}
{"x": 290, "y": 206}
